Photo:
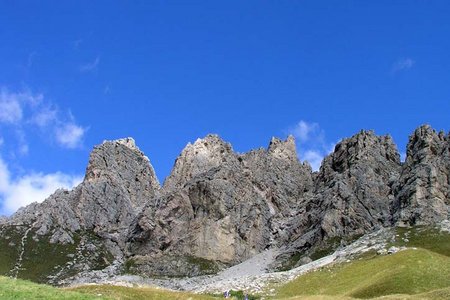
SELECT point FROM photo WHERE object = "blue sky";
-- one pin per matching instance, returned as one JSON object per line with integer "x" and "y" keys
{"x": 73, "y": 73}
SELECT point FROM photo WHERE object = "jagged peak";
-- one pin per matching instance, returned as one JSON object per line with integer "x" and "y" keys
{"x": 426, "y": 132}
{"x": 210, "y": 146}
{"x": 283, "y": 149}
{"x": 366, "y": 138}
{"x": 204, "y": 154}
{"x": 361, "y": 147}
{"x": 425, "y": 141}
{"x": 211, "y": 141}
{"x": 128, "y": 142}
{"x": 116, "y": 155}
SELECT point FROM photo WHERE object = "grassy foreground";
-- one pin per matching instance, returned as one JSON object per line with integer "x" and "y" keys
{"x": 422, "y": 273}
{"x": 125, "y": 293}
{"x": 408, "y": 272}
{"x": 21, "y": 289}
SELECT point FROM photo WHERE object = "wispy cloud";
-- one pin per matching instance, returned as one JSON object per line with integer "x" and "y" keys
{"x": 22, "y": 114}
{"x": 305, "y": 131}
{"x": 311, "y": 143}
{"x": 402, "y": 65}
{"x": 90, "y": 66}
{"x": 22, "y": 111}
{"x": 45, "y": 116}
{"x": 32, "y": 187}
{"x": 10, "y": 109}
{"x": 70, "y": 135}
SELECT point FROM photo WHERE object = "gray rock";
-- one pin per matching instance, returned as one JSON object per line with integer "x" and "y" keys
{"x": 393, "y": 250}
{"x": 303, "y": 261}
{"x": 119, "y": 181}
{"x": 423, "y": 189}
{"x": 218, "y": 208}
{"x": 353, "y": 192}
{"x": 222, "y": 206}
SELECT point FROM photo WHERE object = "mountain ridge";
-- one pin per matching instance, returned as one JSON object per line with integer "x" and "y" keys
{"x": 218, "y": 208}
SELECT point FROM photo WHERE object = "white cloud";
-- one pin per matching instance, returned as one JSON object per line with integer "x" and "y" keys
{"x": 24, "y": 110}
{"x": 70, "y": 135}
{"x": 45, "y": 116}
{"x": 21, "y": 113}
{"x": 314, "y": 158}
{"x": 91, "y": 66}
{"x": 403, "y": 64}
{"x": 10, "y": 108}
{"x": 303, "y": 131}
{"x": 311, "y": 143}
{"x": 33, "y": 187}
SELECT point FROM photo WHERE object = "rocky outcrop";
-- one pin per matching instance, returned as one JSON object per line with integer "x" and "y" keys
{"x": 222, "y": 206}
{"x": 353, "y": 194}
{"x": 218, "y": 208}
{"x": 119, "y": 181}
{"x": 3, "y": 219}
{"x": 423, "y": 189}
{"x": 198, "y": 158}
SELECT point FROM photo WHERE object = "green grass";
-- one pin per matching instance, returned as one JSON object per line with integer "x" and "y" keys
{"x": 205, "y": 266}
{"x": 21, "y": 289}
{"x": 125, "y": 293}
{"x": 42, "y": 258}
{"x": 9, "y": 249}
{"x": 423, "y": 237}
{"x": 423, "y": 273}
{"x": 406, "y": 272}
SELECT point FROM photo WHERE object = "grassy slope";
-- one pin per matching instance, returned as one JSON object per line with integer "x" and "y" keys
{"x": 125, "y": 293}
{"x": 406, "y": 272}
{"x": 20, "y": 289}
{"x": 415, "y": 274}
{"x": 412, "y": 274}
{"x": 42, "y": 258}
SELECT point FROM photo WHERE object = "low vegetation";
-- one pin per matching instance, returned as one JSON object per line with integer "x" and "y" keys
{"x": 125, "y": 293}
{"x": 423, "y": 237}
{"x": 420, "y": 272}
{"x": 21, "y": 289}
{"x": 42, "y": 259}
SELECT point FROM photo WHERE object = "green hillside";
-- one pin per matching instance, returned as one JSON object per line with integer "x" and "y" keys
{"x": 406, "y": 272}
{"x": 21, "y": 289}
{"x": 416, "y": 273}
{"x": 42, "y": 260}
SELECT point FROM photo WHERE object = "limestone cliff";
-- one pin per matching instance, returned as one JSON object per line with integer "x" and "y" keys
{"x": 219, "y": 207}
{"x": 423, "y": 189}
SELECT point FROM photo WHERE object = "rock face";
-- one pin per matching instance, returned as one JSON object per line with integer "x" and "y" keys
{"x": 353, "y": 194}
{"x": 354, "y": 187}
{"x": 218, "y": 208}
{"x": 423, "y": 189}
{"x": 221, "y": 206}
{"x": 119, "y": 181}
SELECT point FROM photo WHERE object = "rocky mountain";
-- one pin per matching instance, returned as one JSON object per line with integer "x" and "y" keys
{"x": 218, "y": 208}
{"x": 423, "y": 189}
